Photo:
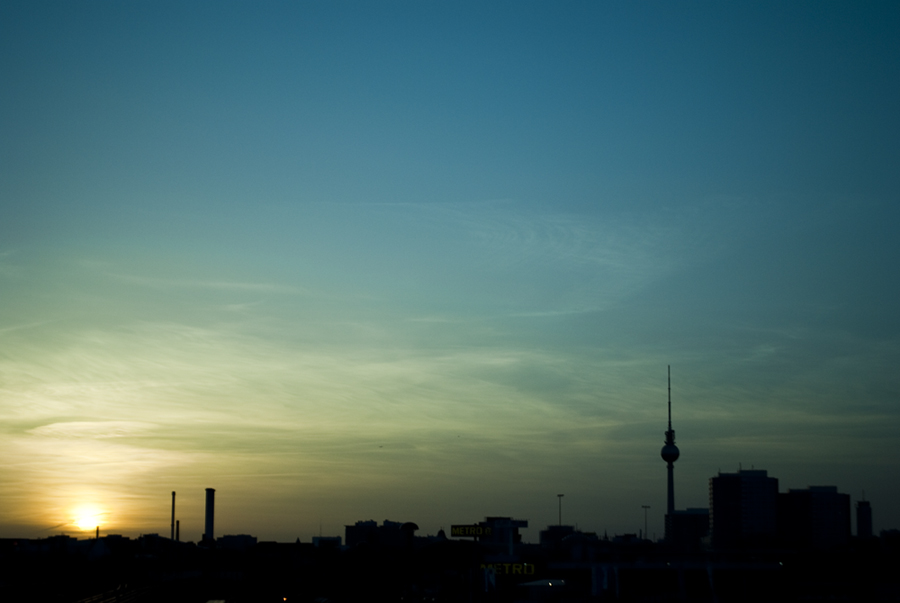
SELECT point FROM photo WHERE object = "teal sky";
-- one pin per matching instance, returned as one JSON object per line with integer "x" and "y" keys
{"x": 428, "y": 261}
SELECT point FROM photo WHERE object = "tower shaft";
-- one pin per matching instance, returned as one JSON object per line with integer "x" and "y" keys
{"x": 670, "y": 493}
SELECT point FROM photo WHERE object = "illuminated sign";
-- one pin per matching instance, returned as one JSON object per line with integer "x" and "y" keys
{"x": 511, "y": 569}
{"x": 470, "y": 531}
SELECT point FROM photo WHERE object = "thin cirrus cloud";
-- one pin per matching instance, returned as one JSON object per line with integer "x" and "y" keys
{"x": 596, "y": 261}
{"x": 161, "y": 283}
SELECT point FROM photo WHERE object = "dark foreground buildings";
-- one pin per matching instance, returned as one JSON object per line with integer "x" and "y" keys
{"x": 568, "y": 566}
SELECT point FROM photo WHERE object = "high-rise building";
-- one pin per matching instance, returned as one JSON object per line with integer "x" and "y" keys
{"x": 863, "y": 519}
{"x": 817, "y": 517}
{"x": 743, "y": 509}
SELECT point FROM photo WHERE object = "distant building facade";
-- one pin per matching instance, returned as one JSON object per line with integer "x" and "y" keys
{"x": 236, "y": 542}
{"x": 553, "y": 536}
{"x": 743, "y": 509}
{"x": 326, "y": 542}
{"x": 389, "y": 533}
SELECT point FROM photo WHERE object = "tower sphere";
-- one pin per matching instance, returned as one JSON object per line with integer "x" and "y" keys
{"x": 669, "y": 453}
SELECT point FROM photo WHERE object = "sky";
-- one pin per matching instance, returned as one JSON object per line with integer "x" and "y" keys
{"x": 429, "y": 261}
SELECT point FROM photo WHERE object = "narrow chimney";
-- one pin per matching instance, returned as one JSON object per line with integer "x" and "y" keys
{"x": 172, "y": 534}
{"x": 210, "y": 513}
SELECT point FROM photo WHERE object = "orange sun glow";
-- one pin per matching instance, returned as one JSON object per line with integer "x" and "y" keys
{"x": 88, "y": 518}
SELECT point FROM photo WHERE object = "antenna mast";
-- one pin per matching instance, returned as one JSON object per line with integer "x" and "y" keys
{"x": 670, "y": 396}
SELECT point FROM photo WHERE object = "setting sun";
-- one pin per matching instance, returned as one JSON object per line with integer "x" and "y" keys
{"x": 88, "y": 518}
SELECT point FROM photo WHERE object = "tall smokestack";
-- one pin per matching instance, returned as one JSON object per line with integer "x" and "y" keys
{"x": 172, "y": 535}
{"x": 210, "y": 512}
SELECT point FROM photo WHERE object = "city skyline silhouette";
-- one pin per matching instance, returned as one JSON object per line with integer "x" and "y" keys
{"x": 837, "y": 529}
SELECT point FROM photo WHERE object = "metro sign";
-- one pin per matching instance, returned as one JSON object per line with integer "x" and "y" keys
{"x": 470, "y": 531}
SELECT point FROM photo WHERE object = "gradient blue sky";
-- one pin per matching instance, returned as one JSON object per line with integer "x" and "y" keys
{"x": 428, "y": 261}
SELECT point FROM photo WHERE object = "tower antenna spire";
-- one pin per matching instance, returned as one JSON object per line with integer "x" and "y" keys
{"x": 670, "y": 397}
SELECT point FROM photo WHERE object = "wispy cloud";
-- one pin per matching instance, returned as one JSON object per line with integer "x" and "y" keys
{"x": 206, "y": 284}
{"x": 91, "y": 429}
{"x": 30, "y": 325}
{"x": 8, "y": 267}
{"x": 594, "y": 260}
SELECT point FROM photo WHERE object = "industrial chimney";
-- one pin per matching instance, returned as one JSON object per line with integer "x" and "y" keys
{"x": 210, "y": 512}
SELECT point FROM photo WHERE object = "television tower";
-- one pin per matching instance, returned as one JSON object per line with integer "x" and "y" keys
{"x": 670, "y": 454}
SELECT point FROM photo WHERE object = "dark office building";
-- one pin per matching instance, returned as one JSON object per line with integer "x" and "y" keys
{"x": 817, "y": 518}
{"x": 863, "y": 519}
{"x": 743, "y": 509}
